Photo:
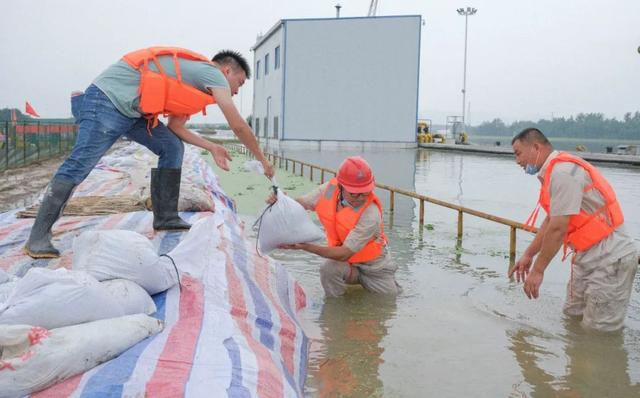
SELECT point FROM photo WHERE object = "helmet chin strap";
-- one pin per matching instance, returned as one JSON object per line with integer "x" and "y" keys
{"x": 342, "y": 200}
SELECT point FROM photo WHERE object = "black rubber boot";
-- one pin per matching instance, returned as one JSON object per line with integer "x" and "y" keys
{"x": 165, "y": 191}
{"x": 53, "y": 204}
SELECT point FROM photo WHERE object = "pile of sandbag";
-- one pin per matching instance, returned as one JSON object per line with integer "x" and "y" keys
{"x": 57, "y": 298}
{"x": 127, "y": 173}
{"x": 58, "y": 323}
{"x": 137, "y": 161}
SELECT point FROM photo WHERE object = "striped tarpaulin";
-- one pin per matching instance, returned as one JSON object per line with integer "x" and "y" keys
{"x": 233, "y": 331}
{"x": 113, "y": 175}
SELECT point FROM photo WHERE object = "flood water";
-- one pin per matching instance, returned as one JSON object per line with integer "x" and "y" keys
{"x": 460, "y": 327}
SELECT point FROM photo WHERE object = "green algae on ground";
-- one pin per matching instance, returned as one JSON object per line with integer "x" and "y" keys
{"x": 250, "y": 190}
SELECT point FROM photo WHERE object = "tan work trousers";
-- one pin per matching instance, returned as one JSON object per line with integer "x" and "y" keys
{"x": 377, "y": 277}
{"x": 600, "y": 292}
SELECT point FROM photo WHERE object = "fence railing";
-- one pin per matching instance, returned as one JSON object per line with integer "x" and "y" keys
{"x": 393, "y": 191}
{"x": 22, "y": 143}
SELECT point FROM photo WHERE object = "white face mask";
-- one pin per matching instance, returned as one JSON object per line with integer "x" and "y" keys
{"x": 532, "y": 169}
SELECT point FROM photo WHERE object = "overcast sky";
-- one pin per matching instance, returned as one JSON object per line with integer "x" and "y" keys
{"x": 527, "y": 59}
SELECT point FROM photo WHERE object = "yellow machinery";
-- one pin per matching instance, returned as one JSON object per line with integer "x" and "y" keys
{"x": 463, "y": 138}
{"x": 425, "y": 135}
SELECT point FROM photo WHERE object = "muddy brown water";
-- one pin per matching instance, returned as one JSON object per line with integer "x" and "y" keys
{"x": 460, "y": 327}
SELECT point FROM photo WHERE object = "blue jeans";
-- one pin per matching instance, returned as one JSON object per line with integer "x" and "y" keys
{"x": 101, "y": 124}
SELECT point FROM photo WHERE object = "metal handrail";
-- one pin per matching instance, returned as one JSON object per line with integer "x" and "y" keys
{"x": 513, "y": 225}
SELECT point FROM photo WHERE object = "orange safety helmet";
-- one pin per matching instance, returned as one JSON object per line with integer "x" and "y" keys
{"x": 355, "y": 175}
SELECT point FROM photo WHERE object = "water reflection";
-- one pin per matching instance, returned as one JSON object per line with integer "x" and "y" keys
{"x": 352, "y": 328}
{"x": 595, "y": 364}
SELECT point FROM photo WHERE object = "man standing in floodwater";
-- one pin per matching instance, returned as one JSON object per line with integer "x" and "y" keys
{"x": 127, "y": 99}
{"x": 351, "y": 215}
{"x": 583, "y": 217}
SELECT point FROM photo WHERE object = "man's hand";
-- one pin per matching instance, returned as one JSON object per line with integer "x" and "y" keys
{"x": 521, "y": 269}
{"x": 268, "y": 169}
{"x": 220, "y": 156}
{"x": 240, "y": 127}
{"x": 273, "y": 198}
{"x": 532, "y": 284}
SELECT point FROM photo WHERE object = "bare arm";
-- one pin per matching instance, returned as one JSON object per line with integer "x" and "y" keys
{"x": 521, "y": 267}
{"x": 220, "y": 155}
{"x": 240, "y": 127}
{"x": 338, "y": 253}
{"x": 551, "y": 243}
{"x": 535, "y": 246}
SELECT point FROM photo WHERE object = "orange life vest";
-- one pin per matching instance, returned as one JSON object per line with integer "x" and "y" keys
{"x": 161, "y": 94}
{"x": 585, "y": 229}
{"x": 338, "y": 224}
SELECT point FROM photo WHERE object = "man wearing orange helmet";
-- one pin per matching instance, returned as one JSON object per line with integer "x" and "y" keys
{"x": 351, "y": 214}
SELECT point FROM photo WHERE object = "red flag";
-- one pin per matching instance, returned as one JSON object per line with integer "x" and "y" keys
{"x": 29, "y": 110}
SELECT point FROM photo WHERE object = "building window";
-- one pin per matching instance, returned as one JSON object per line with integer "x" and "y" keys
{"x": 275, "y": 127}
{"x": 266, "y": 127}
{"x": 257, "y": 123}
{"x": 276, "y": 58}
{"x": 266, "y": 64}
{"x": 257, "y": 70}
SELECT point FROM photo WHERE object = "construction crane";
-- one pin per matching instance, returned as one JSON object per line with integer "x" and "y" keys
{"x": 373, "y": 6}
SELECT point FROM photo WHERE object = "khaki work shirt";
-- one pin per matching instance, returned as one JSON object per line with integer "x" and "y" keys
{"x": 568, "y": 181}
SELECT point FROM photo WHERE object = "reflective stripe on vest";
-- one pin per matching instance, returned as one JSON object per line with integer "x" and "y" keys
{"x": 338, "y": 224}
{"x": 161, "y": 94}
{"x": 585, "y": 229}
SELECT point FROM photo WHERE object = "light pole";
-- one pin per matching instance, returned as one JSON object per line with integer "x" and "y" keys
{"x": 466, "y": 12}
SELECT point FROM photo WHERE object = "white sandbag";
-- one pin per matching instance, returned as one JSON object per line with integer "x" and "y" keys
{"x": 35, "y": 358}
{"x": 193, "y": 253}
{"x": 7, "y": 283}
{"x": 132, "y": 298}
{"x": 285, "y": 222}
{"x": 194, "y": 195}
{"x": 119, "y": 254}
{"x": 194, "y": 198}
{"x": 5, "y": 290}
{"x": 4, "y": 276}
{"x": 253, "y": 165}
{"x": 56, "y": 298}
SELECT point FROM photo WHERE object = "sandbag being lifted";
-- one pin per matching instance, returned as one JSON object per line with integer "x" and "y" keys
{"x": 285, "y": 222}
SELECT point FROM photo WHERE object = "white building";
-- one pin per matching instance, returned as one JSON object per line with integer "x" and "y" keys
{"x": 338, "y": 81}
